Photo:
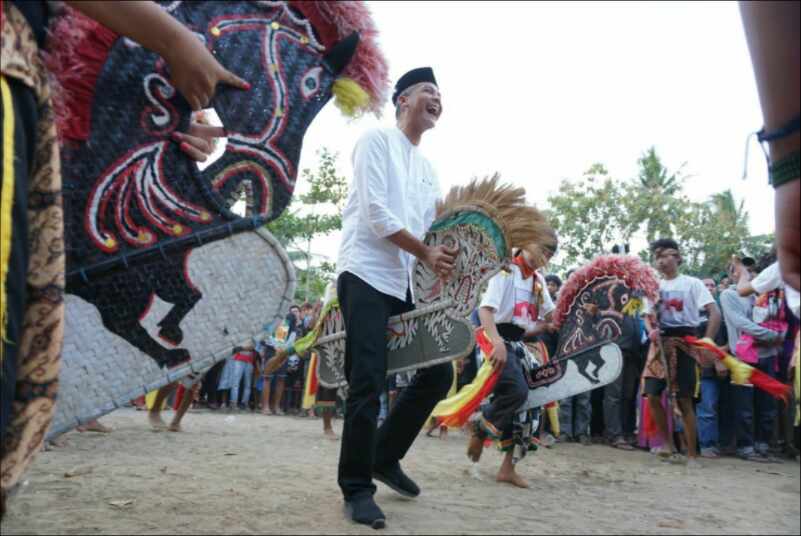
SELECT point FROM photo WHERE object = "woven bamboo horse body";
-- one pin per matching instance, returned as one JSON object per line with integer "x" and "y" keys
{"x": 136, "y": 206}
{"x": 485, "y": 220}
{"x": 162, "y": 278}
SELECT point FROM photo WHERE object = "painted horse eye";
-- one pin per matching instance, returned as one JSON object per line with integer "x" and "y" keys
{"x": 310, "y": 83}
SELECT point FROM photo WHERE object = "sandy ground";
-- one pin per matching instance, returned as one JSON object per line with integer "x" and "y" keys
{"x": 248, "y": 473}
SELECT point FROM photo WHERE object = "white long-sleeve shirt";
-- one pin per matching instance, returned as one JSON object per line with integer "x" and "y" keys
{"x": 394, "y": 187}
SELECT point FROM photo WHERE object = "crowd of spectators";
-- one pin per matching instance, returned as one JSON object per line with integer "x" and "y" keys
{"x": 732, "y": 420}
{"x": 238, "y": 383}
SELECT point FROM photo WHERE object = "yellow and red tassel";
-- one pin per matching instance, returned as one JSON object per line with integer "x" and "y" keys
{"x": 311, "y": 384}
{"x": 456, "y": 410}
{"x": 742, "y": 373}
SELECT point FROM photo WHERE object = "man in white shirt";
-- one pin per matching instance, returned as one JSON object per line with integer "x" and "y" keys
{"x": 390, "y": 207}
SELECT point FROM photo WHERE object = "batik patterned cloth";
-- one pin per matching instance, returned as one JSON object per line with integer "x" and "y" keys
{"x": 39, "y": 347}
{"x": 654, "y": 365}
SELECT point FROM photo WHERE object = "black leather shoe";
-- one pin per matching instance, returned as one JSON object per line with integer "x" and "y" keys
{"x": 394, "y": 477}
{"x": 364, "y": 510}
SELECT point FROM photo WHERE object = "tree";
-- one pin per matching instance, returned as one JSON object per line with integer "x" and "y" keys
{"x": 588, "y": 215}
{"x": 309, "y": 216}
{"x": 711, "y": 232}
{"x": 655, "y": 199}
{"x": 596, "y": 212}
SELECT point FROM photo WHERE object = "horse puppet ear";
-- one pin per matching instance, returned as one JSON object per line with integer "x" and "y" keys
{"x": 340, "y": 54}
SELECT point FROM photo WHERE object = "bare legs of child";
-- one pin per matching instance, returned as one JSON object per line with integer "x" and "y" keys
{"x": 154, "y": 415}
{"x": 328, "y": 427}
{"x": 506, "y": 473}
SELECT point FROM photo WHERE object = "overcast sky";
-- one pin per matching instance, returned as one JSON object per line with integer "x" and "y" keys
{"x": 539, "y": 91}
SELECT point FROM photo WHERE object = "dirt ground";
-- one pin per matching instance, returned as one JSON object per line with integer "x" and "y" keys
{"x": 246, "y": 473}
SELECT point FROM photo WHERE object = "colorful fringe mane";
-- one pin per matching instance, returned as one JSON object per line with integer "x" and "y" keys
{"x": 632, "y": 270}
{"x": 521, "y": 223}
{"x": 76, "y": 50}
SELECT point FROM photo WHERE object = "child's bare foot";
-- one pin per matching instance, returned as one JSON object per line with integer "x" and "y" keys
{"x": 511, "y": 477}
{"x": 175, "y": 427}
{"x": 330, "y": 434}
{"x": 156, "y": 423}
{"x": 443, "y": 432}
{"x": 475, "y": 447}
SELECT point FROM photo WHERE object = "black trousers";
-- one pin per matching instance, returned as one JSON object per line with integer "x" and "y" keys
{"x": 365, "y": 312}
{"x": 26, "y": 118}
{"x": 619, "y": 397}
{"x": 509, "y": 394}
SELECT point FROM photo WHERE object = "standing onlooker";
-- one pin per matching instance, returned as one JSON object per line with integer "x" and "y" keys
{"x": 619, "y": 396}
{"x": 768, "y": 280}
{"x": 243, "y": 361}
{"x": 575, "y": 414}
{"x": 276, "y": 382}
{"x": 725, "y": 282}
{"x": 208, "y": 390}
{"x": 764, "y": 342}
{"x": 714, "y": 410}
{"x": 551, "y": 338}
{"x": 553, "y": 283}
{"x": 226, "y": 381}
{"x": 668, "y": 364}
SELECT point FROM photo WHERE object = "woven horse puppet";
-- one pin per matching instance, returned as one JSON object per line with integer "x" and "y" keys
{"x": 485, "y": 220}
{"x": 596, "y": 309}
{"x": 152, "y": 244}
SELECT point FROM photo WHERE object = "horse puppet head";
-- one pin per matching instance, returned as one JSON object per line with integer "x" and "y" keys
{"x": 128, "y": 188}
{"x": 148, "y": 234}
{"x": 596, "y": 300}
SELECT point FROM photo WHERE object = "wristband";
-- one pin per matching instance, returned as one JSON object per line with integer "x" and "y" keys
{"x": 793, "y": 125}
{"x": 785, "y": 170}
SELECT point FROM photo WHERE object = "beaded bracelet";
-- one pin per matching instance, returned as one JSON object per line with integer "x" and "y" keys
{"x": 785, "y": 170}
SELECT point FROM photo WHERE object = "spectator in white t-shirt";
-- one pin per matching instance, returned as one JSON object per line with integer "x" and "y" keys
{"x": 768, "y": 279}
{"x": 681, "y": 297}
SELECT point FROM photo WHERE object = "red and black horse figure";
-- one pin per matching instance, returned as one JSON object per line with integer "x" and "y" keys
{"x": 135, "y": 206}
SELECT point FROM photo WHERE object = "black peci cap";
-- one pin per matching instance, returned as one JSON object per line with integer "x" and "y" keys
{"x": 415, "y": 76}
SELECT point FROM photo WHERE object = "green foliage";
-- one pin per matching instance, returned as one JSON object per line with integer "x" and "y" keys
{"x": 309, "y": 216}
{"x": 656, "y": 199}
{"x": 596, "y": 211}
{"x": 588, "y": 215}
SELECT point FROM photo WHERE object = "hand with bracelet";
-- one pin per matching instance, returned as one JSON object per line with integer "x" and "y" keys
{"x": 772, "y": 33}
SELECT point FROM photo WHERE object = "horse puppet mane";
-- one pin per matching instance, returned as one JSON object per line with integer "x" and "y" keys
{"x": 522, "y": 224}
{"x": 636, "y": 274}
